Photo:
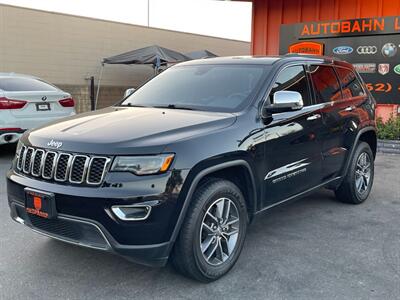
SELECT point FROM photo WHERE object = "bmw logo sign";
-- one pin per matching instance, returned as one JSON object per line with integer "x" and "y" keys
{"x": 389, "y": 50}
{"x": 44, "y": 98}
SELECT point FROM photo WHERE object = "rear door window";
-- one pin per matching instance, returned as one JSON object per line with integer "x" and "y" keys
{"x": 293, "y": 79}
{"x": 351, "y": 86}
{"x": 25, "y": 84}
{"x": 325, "y": 82}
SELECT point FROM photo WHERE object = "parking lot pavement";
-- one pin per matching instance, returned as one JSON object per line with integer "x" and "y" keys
{"x": 316, "y": 248}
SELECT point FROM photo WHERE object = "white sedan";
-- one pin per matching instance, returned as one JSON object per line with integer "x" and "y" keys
{"x": 27, "y": 102}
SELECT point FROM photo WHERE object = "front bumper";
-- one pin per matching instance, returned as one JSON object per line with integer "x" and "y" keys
{"x": 84, "y": 216}
{"x": 87, "y": 233}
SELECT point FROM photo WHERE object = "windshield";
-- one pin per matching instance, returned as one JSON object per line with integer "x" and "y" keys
{"x": 21, "y": 84}
{"x": 220, "y": 88}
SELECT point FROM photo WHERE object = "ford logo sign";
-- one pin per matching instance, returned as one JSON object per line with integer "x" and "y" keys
{"x": 343, "y": 50}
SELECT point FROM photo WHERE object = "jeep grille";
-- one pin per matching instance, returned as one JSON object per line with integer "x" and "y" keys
{"x": 62, "y": 166}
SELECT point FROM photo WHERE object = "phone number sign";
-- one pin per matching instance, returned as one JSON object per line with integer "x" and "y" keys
{"x": 372, "y": 45}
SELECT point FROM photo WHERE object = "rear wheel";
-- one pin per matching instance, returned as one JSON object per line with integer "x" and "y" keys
{"x": 213, "y": 232}
{"x": 357, "y": 184}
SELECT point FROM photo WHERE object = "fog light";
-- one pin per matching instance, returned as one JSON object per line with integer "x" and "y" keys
{"x": 131, "y": 212}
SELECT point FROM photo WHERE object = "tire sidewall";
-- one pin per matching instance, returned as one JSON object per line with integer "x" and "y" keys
{"x": 209, "y": 271}
{"x": 362, "y": 148}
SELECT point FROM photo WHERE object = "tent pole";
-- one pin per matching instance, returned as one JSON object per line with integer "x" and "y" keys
{"x": 98, "y": 85}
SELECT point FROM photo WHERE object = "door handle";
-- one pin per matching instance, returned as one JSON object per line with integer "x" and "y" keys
{"x": 314, "y": 117}
{"x": 349, "y": 108}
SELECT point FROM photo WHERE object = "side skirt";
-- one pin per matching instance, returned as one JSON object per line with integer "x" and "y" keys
{"x": 300, "y": 195}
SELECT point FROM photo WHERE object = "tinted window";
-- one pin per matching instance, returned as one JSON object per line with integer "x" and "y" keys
{"x": 225, "y": 88}
{"x": 24, "y": 84}
{"x": 292, "y": 79}
{"x": 326, "y": 85}
{"x": 351, "y": 86}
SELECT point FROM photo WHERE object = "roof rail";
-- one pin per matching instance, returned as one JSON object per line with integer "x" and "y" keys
{"x": 332, "y": 58}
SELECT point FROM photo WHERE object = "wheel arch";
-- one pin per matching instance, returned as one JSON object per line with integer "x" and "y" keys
{"x": 366, "y": 134}
{"x": 222, "y": 170}
{"x": 369, "y": 136}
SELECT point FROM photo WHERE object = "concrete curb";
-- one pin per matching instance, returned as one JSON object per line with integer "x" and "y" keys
{"x": 389, "y": 146}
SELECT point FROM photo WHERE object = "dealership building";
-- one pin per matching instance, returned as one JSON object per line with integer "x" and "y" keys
{"x": 365, "y": 33}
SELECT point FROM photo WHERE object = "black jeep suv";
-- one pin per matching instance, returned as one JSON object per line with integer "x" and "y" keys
{"x": 179, "y": 168}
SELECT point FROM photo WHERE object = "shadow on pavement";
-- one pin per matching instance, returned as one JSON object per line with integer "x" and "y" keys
{"x": 7, "y": 150}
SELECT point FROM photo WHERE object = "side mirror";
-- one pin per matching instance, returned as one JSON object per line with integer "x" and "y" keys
{"x": 128, "y": 92}
{"x": 285, "y": 101}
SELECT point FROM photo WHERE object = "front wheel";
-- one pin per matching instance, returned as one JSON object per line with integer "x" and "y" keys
{"x": 213, "y": 232}
{"x": 357, "y": 184}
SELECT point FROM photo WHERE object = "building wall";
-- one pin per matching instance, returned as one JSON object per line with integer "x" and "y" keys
{"x": 268, "y": 15}
{"x": 66, "y": 50}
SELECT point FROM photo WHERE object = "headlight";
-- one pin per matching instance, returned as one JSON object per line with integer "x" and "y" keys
{"x": 19, "y": 146}
{"x": 18, "y": 150}
{"x": 16, "y": 157}
{"x": 143, "y": 165}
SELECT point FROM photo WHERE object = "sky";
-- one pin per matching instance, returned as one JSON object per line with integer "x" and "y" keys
{"x": 224, "y": 19}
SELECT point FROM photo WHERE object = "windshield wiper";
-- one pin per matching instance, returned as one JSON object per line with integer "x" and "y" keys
{"x": 133, "y": 105}
{"x": 173, "y": 106}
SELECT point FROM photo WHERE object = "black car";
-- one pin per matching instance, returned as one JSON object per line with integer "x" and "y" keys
{"x": 178, "y": 169}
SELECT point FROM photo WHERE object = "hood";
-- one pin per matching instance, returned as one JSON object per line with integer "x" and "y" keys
{"x": 126, "y": 130}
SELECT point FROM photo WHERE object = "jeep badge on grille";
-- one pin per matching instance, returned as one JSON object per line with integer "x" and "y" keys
{"x": 54, "y": 144}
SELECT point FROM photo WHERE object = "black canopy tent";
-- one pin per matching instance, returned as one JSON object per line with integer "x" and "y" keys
{"x": 200, "y": 54}
{"x": 155, "y": 56}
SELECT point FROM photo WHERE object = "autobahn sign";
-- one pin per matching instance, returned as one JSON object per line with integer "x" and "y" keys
{"x": 372, "y": 45}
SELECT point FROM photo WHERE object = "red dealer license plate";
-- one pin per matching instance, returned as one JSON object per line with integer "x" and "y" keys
{"x": 39, "y": 203}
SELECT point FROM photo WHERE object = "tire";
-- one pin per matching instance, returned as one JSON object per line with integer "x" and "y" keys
{"x": 355, "y": 188}
{"x": 211, "y": 198}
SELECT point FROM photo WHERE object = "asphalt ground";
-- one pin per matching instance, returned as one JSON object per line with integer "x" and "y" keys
{"x": 315, "y": 248}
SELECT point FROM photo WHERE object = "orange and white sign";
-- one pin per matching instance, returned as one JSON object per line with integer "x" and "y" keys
{"x": 307, "y": 48}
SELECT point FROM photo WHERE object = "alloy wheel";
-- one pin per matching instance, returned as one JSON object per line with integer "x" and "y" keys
{"x": 363, "y": 173}
{"x": 219, "y": 231}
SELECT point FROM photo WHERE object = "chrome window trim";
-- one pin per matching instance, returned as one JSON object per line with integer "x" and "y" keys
{"x": 67, "y": 167}
{"x": 306, "y": 63}
{"x": 106, "y": 164}
{"x": 85, "y": 168}
{"x": 53, "y": 166}
{"x": 302, "y": 63}
{"x": 41, "y": 162}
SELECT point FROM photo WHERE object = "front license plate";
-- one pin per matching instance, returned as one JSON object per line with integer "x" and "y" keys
{"x": 42, "y": 106}
{"x": 39, "y": 203}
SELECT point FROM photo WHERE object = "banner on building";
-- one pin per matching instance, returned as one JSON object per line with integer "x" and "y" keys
{"x": 372, "y": 45}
